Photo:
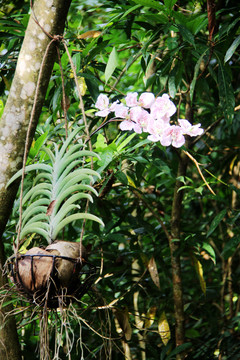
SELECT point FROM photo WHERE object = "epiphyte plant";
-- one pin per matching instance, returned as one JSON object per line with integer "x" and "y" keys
{"x": 59, "y": 184}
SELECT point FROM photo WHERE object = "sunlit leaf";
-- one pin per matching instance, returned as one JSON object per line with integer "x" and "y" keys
{"x": 210, "y": 250}
{"x": 164, "y": 329}
{"x": 122, "y": 317}
{"x": 27, "y": 242}
{"x": 111, "y": 64}
{"x": 150, "y": 316}
{"x": 152, "y": 268}
{"x": 89, "y": 34}
{"x": 199, "y": 271}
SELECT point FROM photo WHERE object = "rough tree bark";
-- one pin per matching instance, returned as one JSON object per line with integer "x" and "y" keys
{"x": 51, "y": 15}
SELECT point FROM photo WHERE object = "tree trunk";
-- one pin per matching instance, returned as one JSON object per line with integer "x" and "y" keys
{"x": 51, "y": 15}
{"x": 174, "y": 244}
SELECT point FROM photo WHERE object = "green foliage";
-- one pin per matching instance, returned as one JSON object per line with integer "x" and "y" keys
{"x": 57, "y": 188}
{"x": 144, "y": 46}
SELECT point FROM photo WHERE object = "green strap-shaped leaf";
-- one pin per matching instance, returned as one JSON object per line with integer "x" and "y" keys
{"x": 39, "y": 217}
{"x": 74, "y": 177}
{"x": 68, "y": 141}
{"x": 125, "y": 142}
{"x": 43, "y": 175}
{"x": 196, "y": 71}
{"x": 226, "y": 93}
{"x": 49, "y": 153}
{"x": 69, "y": 169}
{"x": 36, "y": 227}
{"x": 61, "y": 215}
{"x": 67, "y": 159}
{"x": 28, "y": 168}
{"x": 216, "y": 221}
{"x": 74, "y": 217}
{"x": 43, "y": 189}
{"x": 31, "y": 211}
{"x": 70, "y": 190}
{"x": 73, "y": 182}
{"x": 65, "y": 207}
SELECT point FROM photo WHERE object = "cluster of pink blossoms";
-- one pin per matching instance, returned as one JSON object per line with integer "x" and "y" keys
{"x": 151, "y": 115}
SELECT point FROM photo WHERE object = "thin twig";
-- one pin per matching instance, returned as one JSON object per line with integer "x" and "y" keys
{"x": 199, "y": 170}
{"x": 63, "y": 93}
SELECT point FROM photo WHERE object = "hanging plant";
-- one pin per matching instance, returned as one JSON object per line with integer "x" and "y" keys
{"x": 48, "y": 206}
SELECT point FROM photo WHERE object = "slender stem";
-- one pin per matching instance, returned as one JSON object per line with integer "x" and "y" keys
{"x": 63, "y": 93}
{"x": 174, "y": 244}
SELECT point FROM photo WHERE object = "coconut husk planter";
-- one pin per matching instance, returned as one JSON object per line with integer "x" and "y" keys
{"x": 53, "y": 276}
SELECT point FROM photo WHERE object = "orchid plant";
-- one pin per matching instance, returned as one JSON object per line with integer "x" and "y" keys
{"x": 151, "y": 115}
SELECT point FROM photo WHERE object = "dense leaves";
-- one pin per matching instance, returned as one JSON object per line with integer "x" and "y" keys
{"x": 162, "y": 47}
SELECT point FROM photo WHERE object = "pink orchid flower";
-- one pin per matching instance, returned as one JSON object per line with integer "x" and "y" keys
{"x": 163, "y": 107}
{"x": 189, "y": 129}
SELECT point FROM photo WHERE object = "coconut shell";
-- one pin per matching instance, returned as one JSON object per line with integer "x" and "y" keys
{"x": 34, "y": 272}
{"x": 65, "y": 268}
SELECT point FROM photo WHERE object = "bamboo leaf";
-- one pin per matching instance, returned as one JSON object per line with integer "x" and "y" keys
{"x": 169, "y": 3}
{"x": 122, "y": 317}
{"x": 186, "y": 34}
{"x": 125, "y": 142}
{"x": 164, "y": 329}
{"x": 37, "y": 145}
{"x": 232, "y": 49}
{"x": 199, "y": 271}
{"x": 210, "y": 250}
{"x": 152, "y": 268}
{"x": 178, "y": 350}
{"x": 150, "y": 3}
{"x": 215, "y": 222}
{"x": 226, "y": 94}
{"x": 131, "y": 9}
{"x": 111, "y": 64}
{"x": 196, "y": 71}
